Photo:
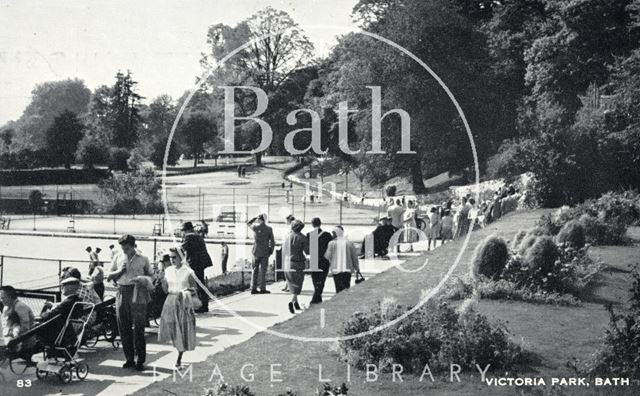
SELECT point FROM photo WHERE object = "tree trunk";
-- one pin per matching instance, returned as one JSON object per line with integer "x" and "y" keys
{"x": 258, "y": 157}
{"x": 195, "y": 160}
{"x": 416, "y": 178}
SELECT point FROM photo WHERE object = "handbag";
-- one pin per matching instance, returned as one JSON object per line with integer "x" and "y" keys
{"x": 359, "y": 277}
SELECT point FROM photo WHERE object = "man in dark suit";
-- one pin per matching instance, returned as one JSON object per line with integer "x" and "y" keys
{"x": 318, "y": 242}
{"x": 263, "y": 245}
{"x": 198, "y": 258}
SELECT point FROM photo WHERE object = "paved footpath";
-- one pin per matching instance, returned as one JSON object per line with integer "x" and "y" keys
{"x": 216, "y": 330}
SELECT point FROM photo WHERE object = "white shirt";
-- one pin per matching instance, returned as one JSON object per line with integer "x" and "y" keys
{"x": 178, "y": 279}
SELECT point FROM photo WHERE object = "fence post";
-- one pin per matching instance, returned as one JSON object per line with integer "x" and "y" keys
{"x": 233, "y": 190}
{"x": 293, "y": 203}
{"x": 340, "y": 211}
{"x": 155, "y": 241}
{"x": 114, "y": 223}
{"x": 1, "y": 269}
{"x": 268, "y": 203}
{"x": 304, "y": 210}
{"x": 247, "y": 207}
{"x": 59, "y": 274}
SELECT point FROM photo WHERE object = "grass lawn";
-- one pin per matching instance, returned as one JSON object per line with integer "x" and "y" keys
{"x": 553, "y": 334}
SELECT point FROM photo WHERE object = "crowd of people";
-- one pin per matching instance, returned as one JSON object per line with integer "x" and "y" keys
{"x": 322, "y": 253}
{"x": 177, "y": 285}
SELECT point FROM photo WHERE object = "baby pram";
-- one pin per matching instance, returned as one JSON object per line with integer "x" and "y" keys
{"x": 60, "y": 357}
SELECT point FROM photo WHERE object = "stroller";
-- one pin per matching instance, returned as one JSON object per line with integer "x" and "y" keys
{"x": 59, "y": 357}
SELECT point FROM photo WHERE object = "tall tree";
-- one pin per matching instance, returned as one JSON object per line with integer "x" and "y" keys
{"x": 124, "y": 111}
{"x": 48, "y": 100}
{"x": 195, "y": 131}
{"x": 280, "y": 48}
{"x": 63, "y": 137}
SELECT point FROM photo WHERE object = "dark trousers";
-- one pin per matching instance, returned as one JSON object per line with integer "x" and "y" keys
{"x": 202, "y": 294}
{"x": 342, "y": 281}
{"x": 259, "y": 271}
{"x": 318, "y": 278}
{"x": 99, "y": 289}
{"x": 131, "y": 321}
{"x": 224, "y": 263}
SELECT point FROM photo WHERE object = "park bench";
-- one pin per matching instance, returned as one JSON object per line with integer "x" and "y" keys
{"x": 72, "y": 226}
{"x": 157, "y": 230}
{"x": 5, "y": 222}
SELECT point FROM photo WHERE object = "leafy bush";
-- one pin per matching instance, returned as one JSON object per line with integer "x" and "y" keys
{"x": 91, "y": 151}
{"x": 517, "y": 239}
{"x": 390, "y": 190}
{"x": 599, "y": 232}
{"x": 503, "y": 289}
{"x": 620, "y": 351}
{"x": 490, "y": 257}
{"x": 118, "y": 157}
{"x": 526, "y": 243}
{"x": 571, "y": 271}
{"x": 542, "y": 255}
{"x": 330, "y": 390}
{"x": 223, "y": 389}
{"x": 573, "y": 234}
{"x": 435, "y": 335}
{"x": 131, "y": 193}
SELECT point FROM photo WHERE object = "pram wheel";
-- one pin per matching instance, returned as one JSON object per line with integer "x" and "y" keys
{"x": 65, "y": 374}
{"x": 41, "y": 374}
{"x": 18, "y": 366}
{"x": 82, "y": 370}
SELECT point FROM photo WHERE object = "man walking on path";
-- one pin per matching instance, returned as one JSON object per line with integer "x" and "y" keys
{"x": 263, "y": 246}
{"x": 129, "y": 269}
{"x": 198, "y": 259}
{"x": 318, "y": 242}
{"x": 224, "y": 253}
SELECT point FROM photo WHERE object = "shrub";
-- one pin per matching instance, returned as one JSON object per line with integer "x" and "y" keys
{"x": 599, "y": 232}
{"x": 571, "y": 272}
{"x": 542, "y": 255}
{"x": 131, "y": 193}
{"x": 435, "y": 335}
{"x": 503, "y": 289}
{"x": 572, "y": 233}
{"x": 526, "y": 243}
{"x": 223, "y": 389}
{"x": 118, "y": 157}
{"x": 517, "y": 239}
{"x": 390, "y": 190}
{"x": 490, "y": 257}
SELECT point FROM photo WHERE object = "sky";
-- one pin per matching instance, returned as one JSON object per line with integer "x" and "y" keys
{"x": 160, "y": 41}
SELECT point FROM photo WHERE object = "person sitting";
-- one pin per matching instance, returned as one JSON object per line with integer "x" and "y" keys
{"x": 48, "y": 336}
{"x": 381, "y": 237}
{"x": 16, "y": 318}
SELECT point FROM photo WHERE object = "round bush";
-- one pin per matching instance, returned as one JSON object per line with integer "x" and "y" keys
{"x": 527, "y": 242}
{"x": 572, "y": 234}
{"x": 490, "y": 257}
{"x": 542, "y": 255}
{"x": 520, "y": 235}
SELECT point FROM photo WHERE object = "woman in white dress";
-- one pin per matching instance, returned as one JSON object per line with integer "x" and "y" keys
{"x": 178, "y": 322}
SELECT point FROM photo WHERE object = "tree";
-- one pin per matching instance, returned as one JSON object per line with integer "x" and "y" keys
{"x": 6, "y": 136}
{"x": 280, "y": 48}
{"x": 91, "y": 151}
{"x": 158, "y": 151}
{"x": 197, "y": 130}
{"x": 48, "y": 100}
{"x": 124, "y": 111}
{"x": 62, "y": 139}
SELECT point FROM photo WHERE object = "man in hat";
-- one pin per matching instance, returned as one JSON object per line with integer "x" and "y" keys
{"x": 198, "y": 259}
{"x": 70, "y": 287}
{"x": 263, "y": 245}
{"x": 131, "y": 301}
{"x": 318, "y": 242}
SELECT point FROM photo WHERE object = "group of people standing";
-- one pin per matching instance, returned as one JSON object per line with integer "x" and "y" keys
{"x": 319, "y": 251}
